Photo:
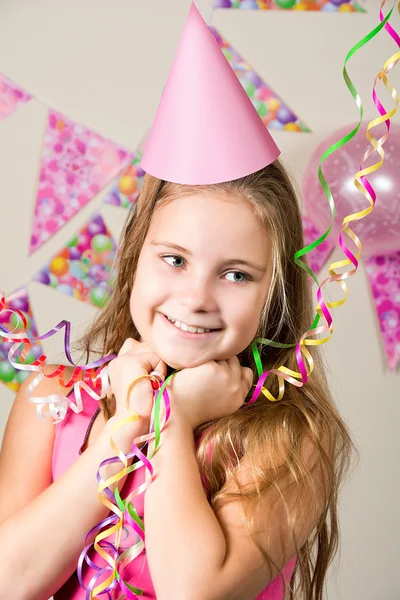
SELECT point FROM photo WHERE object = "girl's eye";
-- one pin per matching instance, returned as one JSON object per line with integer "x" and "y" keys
{"x": 244, "y": 277}
{"x": 173, "y": 256}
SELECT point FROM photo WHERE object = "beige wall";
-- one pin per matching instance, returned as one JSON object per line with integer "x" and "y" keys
{"x": 104, "y": 64}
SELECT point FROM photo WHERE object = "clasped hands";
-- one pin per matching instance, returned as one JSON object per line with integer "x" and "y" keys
{"x": 198, "y": 395}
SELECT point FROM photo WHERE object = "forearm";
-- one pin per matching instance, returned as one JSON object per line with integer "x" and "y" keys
{"x": 182, "y": 531}
{"x": 41, "y": 544}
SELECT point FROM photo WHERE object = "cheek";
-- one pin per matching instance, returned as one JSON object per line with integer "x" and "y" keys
{"x": 249, "y": 326}
{"x": 138, "y": 308}
{"x": 246, "y": 319}
{"x": 138, "y": 294}
{"x": 245, "y": 311}
{"x": 147, "y": 290}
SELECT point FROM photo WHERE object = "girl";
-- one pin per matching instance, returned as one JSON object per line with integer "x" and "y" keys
{"x": 284, "y": 460}
{"x": 243, "y": 503}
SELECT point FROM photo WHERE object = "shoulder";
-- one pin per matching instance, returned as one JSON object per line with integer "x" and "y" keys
{"x": 28, "y": 440}
{"x": 46, "y": 386}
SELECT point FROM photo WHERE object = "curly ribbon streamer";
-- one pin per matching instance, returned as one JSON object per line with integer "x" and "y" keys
{"x": 283, "y": 373}
{"x": 56, "y": 404}
{"x": 123, "y": 508}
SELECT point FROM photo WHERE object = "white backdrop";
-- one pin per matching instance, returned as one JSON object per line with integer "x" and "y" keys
{"x": 104, "y": 64}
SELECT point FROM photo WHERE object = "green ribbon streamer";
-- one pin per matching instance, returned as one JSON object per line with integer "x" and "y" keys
{"x": 327, "y": 191}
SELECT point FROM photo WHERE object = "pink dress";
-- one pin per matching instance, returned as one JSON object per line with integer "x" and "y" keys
{"x": 70, "y": 436}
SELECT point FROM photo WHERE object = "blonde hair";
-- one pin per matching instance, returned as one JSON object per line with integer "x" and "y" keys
{"x": 281, "y": 427}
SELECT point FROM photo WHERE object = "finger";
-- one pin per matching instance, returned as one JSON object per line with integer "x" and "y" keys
{"x": 151, "y": 362}
{"x": 221, "y": 363}
{"x": 132, "y": 345}
{"x": 234, "y": 364}
{"x": 142, "y": 349}
{"x": 162, "y": 368}
{"x": 128, "y": 346}
{"x": 247, "y": 379}
{"x": 235, "y": 368}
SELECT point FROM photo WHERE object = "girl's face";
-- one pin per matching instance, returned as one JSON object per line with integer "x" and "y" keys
{"x": 205, "y": 262}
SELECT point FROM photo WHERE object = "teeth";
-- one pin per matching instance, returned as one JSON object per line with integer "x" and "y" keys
{"x": 189, "y": 328}
{"x": 182, "y": 326}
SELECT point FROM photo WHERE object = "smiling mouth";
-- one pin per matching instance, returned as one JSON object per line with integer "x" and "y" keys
{"x": 190, "y": 331}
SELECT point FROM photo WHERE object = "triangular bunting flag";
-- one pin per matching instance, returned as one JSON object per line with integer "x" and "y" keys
{"x": 384, "y": 277}
{"x": 274, "y": 113}
{"x": 11, "y": 97}
{"x": 322, "y": 5}
{"x": 319, "y": 255}
{"x": 128, "y": 185}
{"x": 9, "y": 376}
{"x": 82, "y": 268}
{"x": 76, "y": 164}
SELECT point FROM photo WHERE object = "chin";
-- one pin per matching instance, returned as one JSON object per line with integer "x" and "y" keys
{"x": 184, "y": 364}
{"x": 188, "y": 362}
{"x": 177, "y": 360}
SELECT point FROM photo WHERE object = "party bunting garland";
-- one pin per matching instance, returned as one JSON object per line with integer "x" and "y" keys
{"x": 328, "y": 6}
{"x": 57, "y": 405}
{"x": 11, "y": 97}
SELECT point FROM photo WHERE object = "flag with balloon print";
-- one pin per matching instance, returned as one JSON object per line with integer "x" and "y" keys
{"x": 82, "y": 269}
{"x": 128, "y": 185}
{"x": 343, "y": 6}
{"x": 384, "y": 278}
{"x": 273, "y": 111}
{"x": 11, "y": 97}
{"x": 76, "y": 164}
{"x": 18, "y": 300}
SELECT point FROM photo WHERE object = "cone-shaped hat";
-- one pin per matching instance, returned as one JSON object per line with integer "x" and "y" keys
{"x": 206, "y": 129}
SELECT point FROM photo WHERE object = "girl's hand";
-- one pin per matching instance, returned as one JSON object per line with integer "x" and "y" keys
{"x": 134, "y": 359}
{"x": 210, "y": 391}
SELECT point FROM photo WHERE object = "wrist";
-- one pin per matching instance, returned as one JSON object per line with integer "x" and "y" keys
{"x": 182, "y": 421}
{"x": 177, "y": 435}
{"x": 178, "y": 427}
{"x": 125, "y": 434}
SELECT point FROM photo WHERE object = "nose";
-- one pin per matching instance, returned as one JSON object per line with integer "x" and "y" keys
{"x": 198, "y": 293}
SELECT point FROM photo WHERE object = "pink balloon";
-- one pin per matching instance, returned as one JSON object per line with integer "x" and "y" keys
{"x": 379, "y": 231}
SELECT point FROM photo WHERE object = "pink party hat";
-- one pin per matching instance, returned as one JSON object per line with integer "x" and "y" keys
{"x": 206, "y": 129}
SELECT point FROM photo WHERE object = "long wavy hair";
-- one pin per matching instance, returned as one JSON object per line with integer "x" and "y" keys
{"x": 306, "y": 412}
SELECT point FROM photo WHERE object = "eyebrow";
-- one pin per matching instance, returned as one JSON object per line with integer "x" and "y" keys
{"x": 237, "y": 261}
